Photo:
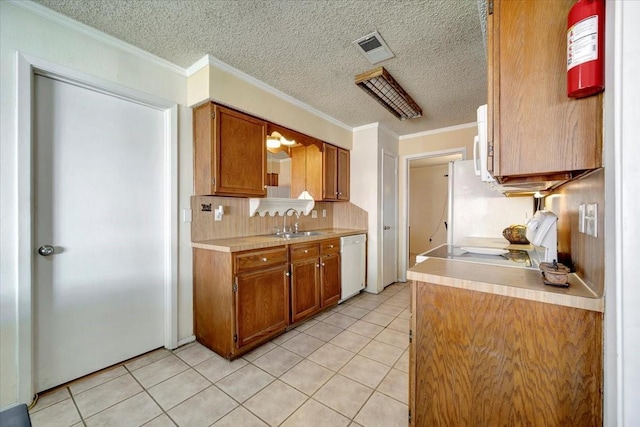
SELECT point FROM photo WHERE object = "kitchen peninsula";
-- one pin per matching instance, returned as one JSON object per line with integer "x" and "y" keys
{"x": 492, "y": 345}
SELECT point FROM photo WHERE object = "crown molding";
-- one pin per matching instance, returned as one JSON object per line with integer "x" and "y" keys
{"x": 376, "y": 125}
{"x": 215, "y": 62}
{"x": 441, "y": 130}
{"x": 65, "y": 21}
{"x": 373, "y": 125}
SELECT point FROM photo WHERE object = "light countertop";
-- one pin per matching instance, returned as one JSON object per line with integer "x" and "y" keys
{"x": 236, "y": 244}
{"x": 508, "y": 281}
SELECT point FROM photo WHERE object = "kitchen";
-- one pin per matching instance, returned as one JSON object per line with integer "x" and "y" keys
{"x": 169, "y": 85}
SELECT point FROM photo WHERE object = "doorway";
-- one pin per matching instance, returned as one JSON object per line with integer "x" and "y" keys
{"x": 98, "y": 266}
{"x": 426, "y": 200}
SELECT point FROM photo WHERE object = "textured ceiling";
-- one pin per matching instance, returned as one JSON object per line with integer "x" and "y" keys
{"x": 304, "y": 48}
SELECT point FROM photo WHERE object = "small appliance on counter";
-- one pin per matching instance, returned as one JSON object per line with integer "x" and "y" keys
{"x": 542, "y": 231}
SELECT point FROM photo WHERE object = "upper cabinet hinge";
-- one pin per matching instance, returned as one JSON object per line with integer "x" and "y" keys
{"x": 235, "y": 285}
{"x": 490, "y": 149}
{"x": 213, "y": 182}
{"x": 490, "y": 7}
{"x": 410, "y": 335}
{"x": 235, "y": 338}
{"x": 213, "y": 115}
{"x": 409, "y": 416}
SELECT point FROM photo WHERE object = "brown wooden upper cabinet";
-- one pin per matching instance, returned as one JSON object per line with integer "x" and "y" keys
{"x": 230, "y": 155}
{"x": 535, "y": 132}
{"x": 321, "y": 169}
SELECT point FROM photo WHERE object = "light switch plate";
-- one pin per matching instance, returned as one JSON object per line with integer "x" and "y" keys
{"x": 324, "y": 213}
{"x": 186, "y": 215}
{"x": 314, "y": 213}
{"x": 581, "y": 211}
{"x": 591, "y": 219}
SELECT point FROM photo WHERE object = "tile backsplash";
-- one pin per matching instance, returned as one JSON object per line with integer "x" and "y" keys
{"x": 237, "y": 223}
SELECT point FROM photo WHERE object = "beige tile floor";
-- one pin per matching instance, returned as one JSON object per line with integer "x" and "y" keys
{"x": 347, "y": 366}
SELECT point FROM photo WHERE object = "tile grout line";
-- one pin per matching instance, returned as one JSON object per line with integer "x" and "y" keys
{"x": 397, "y": 304}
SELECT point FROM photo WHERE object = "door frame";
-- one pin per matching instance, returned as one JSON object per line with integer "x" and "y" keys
{"x": 394, "y": 156}
{"x": 403, "y": 259}
{"x": 27, "y": 66}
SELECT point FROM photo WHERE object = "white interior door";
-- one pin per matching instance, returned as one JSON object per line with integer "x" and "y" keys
{"x": 389, "y": 218}
{"x": 99, "y": 202}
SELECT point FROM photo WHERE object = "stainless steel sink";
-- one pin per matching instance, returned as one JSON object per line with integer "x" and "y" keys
{"x": 301, "y": 234}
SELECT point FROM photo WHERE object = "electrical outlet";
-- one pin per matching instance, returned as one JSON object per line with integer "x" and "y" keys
{"x": 314, "y": 213}
{"x": 324, "y": 213}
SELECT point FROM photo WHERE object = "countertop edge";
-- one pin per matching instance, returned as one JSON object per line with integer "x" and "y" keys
{"x": 545, "y": 296}
{"x": 237, "y": 244}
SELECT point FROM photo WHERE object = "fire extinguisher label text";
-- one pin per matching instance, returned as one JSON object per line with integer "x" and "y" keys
{"x": 582, "y": 42}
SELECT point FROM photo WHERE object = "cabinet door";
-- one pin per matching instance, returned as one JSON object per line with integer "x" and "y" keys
{"x": 330, "y": 279}
{"x": 305, "y": 290}
{"x": 240, "y": 153}
{"x": 343, "y": 174}
{"x": 230, "y": 156}
{"x": 261, "y": 305}
{"x": 535, "y": 129}
{"x": 330, "y": 172}
{"x": 306, "y": 171}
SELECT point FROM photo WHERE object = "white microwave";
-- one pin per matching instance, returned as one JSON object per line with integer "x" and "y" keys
{"x": 480, "y": 147}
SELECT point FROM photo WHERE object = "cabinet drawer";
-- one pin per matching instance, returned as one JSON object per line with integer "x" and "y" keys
{"x": 330, "y": 246}
{"x": 245, "y": 261}
{"x": 304, "y": 251}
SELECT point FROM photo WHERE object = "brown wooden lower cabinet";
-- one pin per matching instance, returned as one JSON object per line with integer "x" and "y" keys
{"x": 244, "y": 299}
{"x": 241, "y": 300}
{"x": 479, "y": 359}
{"x": 315, "y": 277}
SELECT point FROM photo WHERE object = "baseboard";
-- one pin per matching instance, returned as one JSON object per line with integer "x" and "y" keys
{"x": 187, "y": 340}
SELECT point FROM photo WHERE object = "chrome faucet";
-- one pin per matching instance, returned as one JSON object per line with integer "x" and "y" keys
{"x": 284, "y": 222}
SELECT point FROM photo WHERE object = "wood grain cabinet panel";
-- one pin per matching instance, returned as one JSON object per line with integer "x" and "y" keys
{"x": 230, "y": 155}
{"x": 482, "y": 359}
{"x": 315, "y": 277}
{"x": 240, "y": 301}
{"x": 322, "y": 169}
{"x": 262, "y": 305}
{"x": 535, "y": 132}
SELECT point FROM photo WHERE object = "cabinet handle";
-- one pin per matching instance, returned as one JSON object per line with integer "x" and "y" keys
{"x": 306, "y": 251}
{"x": 286, "y": 273}
{"x": 264, "y": 259}
{"x": 317, "y": 265}
{"x": 323, "y": 264}
{"x": 331, "y": 246}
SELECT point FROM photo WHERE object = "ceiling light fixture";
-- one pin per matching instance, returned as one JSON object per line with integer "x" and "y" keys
{"x": 276, "y": 139}
{"x": 383, "y": 88}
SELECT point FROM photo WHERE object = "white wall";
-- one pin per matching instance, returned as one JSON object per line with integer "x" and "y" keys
{"x": 66, "y": 43}
{"x": 366, "y": 169}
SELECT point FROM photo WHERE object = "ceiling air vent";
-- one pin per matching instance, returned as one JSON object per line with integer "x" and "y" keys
{"x": 373, "y": 47}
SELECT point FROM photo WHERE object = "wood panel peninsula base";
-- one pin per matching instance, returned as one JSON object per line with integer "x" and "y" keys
{"x": 488, "y": 359}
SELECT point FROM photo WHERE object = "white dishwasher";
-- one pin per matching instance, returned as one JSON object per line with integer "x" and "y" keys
{"x": 353, "y": 259}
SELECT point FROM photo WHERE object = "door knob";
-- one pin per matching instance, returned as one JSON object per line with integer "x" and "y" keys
{"x": 386, "y": 227}
{"x": 46, "y": 250}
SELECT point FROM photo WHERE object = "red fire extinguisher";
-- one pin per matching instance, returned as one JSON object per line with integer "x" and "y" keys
{"x": 585, "y": 49}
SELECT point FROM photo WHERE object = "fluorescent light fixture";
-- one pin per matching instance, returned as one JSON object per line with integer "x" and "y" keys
{"x": 383, "y": 88}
